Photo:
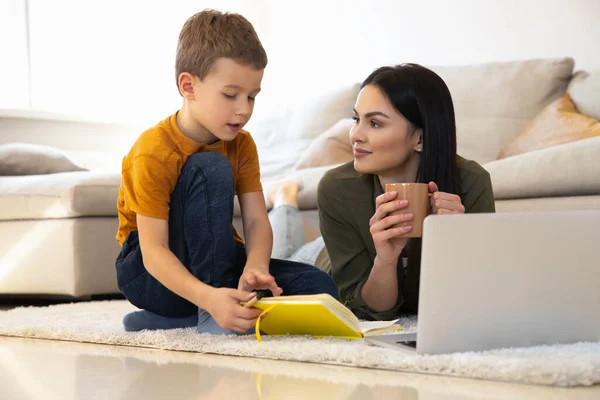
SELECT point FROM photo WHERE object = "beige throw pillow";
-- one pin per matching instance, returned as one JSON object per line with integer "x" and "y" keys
{"x": 584, "y": 90}
{"x": 33, "y": 159}
{"x": 494, "y": 101}
{"x": 558, "y": 123}
{"x": 330, "y": 147}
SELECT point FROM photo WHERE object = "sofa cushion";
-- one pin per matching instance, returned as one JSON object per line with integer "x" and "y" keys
{"x": 33, "y": 159}
{"x": 98, "y": 160}
{"x": 304, "y": 118}
{"x": 330, "y": 147}
{"x": 283, "y": 133}
{"x": 569, "y": 169}
{"x": 557, "y": 124}
{"x": 494, "y": 101}
{"x": 315, "y": 115}
{"x": 278, "y": 160}
{"x": 62, "y": 195}
{"x": 584, "y": 90}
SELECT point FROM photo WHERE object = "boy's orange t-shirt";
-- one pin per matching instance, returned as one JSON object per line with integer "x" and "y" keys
{"x": 152, "y": 167}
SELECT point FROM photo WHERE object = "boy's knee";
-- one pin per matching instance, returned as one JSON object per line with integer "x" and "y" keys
{"x": 209, "y": 160}
{"x": 212, "y": 165}
{"x": 332, "y": 288}
{"x": 324, "y": 283}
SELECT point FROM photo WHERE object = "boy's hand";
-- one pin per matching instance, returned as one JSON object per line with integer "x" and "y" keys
{"x": 258, "y": 279}
{"x": 224, "y": 306}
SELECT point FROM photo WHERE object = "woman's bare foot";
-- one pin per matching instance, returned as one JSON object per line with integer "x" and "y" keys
{"x": 282, "y": 193}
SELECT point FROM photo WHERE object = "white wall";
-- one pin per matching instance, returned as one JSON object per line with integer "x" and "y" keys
{"x": 329, "y": 42}
{"x": 14, "y": 80}
{"x": 113, "y": 60}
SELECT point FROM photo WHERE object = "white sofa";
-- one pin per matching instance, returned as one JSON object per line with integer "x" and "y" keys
{"x": 57, "y": 231}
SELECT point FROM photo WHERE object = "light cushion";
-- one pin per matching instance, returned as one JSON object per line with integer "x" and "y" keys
{"x": 557, "y": 124}
{"x": 33, "y": 159}
{"x": 278, "y": 160}
{"x": 584, "y": 90}
{"x": 301, "y": 119}
{"x": 330, "y": 147}
{"x": 283, "y": 134}
{"x": 317, "y": 114}
{"x": 494, "y": 101}
{"x": 62, "y": 195}
{"x": 98, "y": 160}
{"x": 570, "y": 169}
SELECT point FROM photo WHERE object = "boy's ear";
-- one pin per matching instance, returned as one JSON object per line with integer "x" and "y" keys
{"x": 186, "y": 85}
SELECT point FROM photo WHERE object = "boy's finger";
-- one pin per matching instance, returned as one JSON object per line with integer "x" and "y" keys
{"x": 250, "y": 278}
{"x": 249, "y": 313}
{"x": 244, "y": 285}
{"x": 242, "y": 295}
{"x": 243, "y": 325}
{"x": 266, "y": 279}
{"x": 276, "y": 290}
{"x": 269, "y": 281}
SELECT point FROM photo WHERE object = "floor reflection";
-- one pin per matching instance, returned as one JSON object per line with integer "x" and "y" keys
{"x": 42, "y": 369}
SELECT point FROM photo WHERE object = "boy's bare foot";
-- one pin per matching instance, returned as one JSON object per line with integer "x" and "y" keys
{"x": 281, "y": 193}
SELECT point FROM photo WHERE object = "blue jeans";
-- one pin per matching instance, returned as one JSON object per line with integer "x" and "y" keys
{"x": 201, "y": 237}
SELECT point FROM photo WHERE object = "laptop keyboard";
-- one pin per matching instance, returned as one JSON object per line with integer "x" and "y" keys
{"x": 412, "y": 344}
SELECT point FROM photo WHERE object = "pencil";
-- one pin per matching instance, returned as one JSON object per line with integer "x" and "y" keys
{"x": 252, "y": 301}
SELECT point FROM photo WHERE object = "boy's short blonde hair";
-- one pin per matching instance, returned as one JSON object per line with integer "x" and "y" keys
{"x": 209, "y": 35}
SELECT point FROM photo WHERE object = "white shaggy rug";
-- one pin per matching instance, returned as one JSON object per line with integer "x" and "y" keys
{"x": 100, "y": 322}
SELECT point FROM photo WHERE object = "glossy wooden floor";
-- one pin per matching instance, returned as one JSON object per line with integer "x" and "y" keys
{"x": 44, "y": 369}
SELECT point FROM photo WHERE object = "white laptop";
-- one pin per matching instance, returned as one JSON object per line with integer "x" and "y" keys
{"x": 506, "y": 280}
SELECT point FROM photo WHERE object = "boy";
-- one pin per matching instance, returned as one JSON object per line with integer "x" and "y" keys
{"x": 181, "y": 258}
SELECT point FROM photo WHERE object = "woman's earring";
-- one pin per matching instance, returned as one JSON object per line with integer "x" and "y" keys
{"x": 419, "y": 149}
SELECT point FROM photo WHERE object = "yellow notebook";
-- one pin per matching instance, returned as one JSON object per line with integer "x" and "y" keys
{"x": 316, "y": 315}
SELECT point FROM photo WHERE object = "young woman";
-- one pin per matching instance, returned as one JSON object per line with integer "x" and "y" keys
{"x": 404, "y": 131}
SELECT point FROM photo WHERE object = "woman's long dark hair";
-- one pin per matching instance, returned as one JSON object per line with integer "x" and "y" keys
{"x": 423, "y": 98}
